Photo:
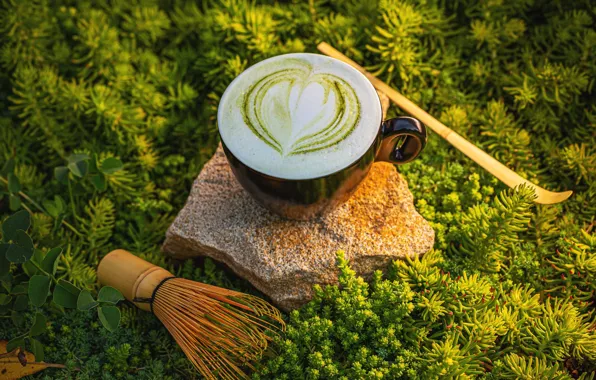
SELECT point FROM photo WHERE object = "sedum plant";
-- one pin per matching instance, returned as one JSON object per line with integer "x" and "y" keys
{"x": 108, "y": 112}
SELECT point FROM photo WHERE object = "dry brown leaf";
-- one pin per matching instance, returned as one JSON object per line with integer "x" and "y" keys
{"x": 11, "y": 367}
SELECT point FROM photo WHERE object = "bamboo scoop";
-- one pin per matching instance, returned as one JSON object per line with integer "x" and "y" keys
{"x": 502, "y": 172}
{"x": 219, "y": 330}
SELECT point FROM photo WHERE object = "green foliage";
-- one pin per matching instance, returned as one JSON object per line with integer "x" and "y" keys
{"x": 354, "y": 332}
{"x": 30, "y": 287}
{"x": 107, "y": 113}
{"x": 571, "y": 269}
{"x": 486, "y": 234}
{"x": 421, "y": 322}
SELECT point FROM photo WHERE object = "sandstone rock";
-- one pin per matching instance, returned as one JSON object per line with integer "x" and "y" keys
{"x": 285, "y": 258}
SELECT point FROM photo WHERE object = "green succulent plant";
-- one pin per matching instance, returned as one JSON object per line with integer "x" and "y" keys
{"x": 108, "y": 112}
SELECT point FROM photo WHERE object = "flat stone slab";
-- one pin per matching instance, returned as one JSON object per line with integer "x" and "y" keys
{"x": 285, "y": 258}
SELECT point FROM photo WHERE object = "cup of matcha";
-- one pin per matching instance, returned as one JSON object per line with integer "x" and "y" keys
{"x": 301, "y": 131}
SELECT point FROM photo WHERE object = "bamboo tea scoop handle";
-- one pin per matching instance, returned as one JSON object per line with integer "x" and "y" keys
{"x": 133, "y": 276}
{"x": 502, "y": 172}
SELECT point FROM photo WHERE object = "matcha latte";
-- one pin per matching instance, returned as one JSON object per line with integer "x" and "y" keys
{"x": 299, "y": 116}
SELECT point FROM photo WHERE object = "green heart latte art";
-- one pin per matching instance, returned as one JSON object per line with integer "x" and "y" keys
{"x": 297, "y": 111}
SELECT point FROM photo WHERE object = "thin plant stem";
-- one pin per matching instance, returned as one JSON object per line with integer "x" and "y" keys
{"x": 30, "y": 200}
{"x": 74, "y": 212}
{"x": 36, "y": 265}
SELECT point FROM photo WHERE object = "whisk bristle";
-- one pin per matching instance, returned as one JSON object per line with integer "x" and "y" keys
{"x": 220, "y": 330}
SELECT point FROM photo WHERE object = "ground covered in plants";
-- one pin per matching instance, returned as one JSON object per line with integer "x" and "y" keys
{"x": 107, "y": 113}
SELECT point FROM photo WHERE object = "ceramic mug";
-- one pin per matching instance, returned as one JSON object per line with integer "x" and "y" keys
{"x": 397, "y": 140}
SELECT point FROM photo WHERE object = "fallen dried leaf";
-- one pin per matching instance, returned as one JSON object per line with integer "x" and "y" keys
{"x": 11, "y": 363}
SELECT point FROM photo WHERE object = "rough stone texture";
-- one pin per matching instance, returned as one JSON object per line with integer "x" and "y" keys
{"x": 285, "y": 258}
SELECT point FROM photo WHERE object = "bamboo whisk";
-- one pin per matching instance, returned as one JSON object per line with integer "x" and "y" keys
{"x": 219, "y": 330}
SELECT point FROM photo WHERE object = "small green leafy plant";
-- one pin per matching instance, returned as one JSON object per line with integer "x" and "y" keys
{"x": 30, "y": 287}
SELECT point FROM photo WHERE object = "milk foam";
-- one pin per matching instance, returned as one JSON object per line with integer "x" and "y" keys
{"x": 299, "y": 116}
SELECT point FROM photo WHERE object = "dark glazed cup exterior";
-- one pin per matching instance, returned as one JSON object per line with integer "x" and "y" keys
{"x": 309, "y": 198}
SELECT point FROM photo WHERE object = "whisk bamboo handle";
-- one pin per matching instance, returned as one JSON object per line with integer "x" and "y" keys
{"x": 133, "y": 276}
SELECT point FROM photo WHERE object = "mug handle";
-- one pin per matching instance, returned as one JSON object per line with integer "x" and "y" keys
{"x": 391, "y": 132}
